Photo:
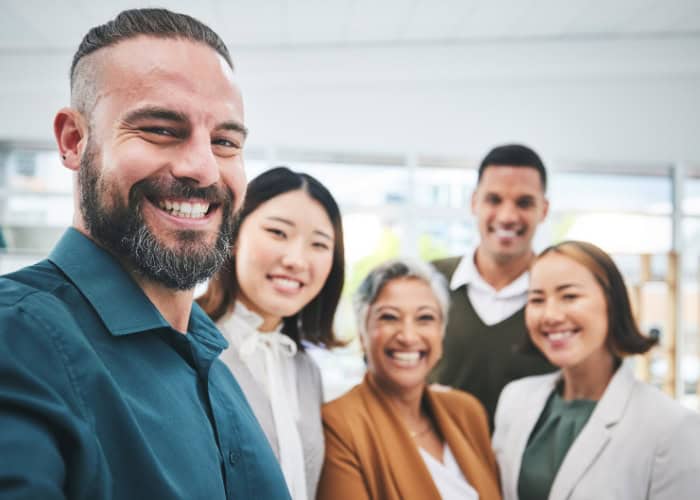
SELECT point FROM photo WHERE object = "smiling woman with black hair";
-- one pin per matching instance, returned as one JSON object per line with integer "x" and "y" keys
{"x": 282, "y": 287}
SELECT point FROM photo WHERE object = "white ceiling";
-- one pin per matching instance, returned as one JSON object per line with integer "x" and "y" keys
{"x": 51, "y": 25}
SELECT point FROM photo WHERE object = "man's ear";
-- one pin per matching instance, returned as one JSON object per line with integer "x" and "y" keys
{"x": 70, "y": 130}
{"x": 473, "y": 200}
{"x": 545, "y": 209}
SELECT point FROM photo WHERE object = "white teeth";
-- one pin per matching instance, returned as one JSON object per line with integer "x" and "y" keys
{"x": 185, "y": 209}
{"x": 286, "y": 284}
{"x": 506, "y": 233}
{"x": 405, "y": 358}
{"x": 555, "y": 336}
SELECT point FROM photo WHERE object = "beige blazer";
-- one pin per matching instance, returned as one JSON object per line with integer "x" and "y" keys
{"x": 638, "y": 443}
{"x": 370, "y": 454}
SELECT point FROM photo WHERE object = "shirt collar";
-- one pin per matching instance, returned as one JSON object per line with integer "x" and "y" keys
{"x": 466, "y": 274}
{"x": 203, "y": 328}
{"x": 243, "y": 324}
{"x": 117, "y": 299}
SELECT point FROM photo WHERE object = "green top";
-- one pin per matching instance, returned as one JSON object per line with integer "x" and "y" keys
{"x": 101, "y": 399}
{"x": 555, "y": 431}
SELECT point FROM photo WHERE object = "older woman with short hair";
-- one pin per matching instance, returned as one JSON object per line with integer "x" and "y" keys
{"x": 393, "y": 436}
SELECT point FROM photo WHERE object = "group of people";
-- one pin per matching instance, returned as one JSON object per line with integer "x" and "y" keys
{"x": 498, "y": 374}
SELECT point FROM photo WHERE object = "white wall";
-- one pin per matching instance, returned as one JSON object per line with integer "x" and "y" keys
{"x": 616, "y": 101}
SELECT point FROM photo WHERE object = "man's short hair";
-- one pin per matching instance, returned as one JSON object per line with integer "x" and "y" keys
{"x": 514, "y": 155}
{"x": 159, "y": 23}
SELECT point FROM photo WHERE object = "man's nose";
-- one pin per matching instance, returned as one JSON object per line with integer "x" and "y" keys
{"x": 197, "y": 161}
{"x": 507, "y": 213}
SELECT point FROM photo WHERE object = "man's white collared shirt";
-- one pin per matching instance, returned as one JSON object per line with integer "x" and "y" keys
{"x": 492, "y": 306}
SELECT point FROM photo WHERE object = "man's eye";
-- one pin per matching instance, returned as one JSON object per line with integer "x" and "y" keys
{"x": 159, "y": 131}
{"x": 226, "y": 143}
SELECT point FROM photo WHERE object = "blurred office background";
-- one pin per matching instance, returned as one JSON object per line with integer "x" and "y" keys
{"x": 392, "y": 103}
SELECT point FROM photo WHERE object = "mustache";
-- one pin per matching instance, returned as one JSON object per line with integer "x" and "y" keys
{"x": 159, "y": 188}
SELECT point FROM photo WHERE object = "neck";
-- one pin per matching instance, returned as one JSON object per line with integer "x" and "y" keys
{"x": 269, "y": 324}
{"x": 589, "y": 379}
{"x": 174, "y": 305}
{"x": 500, "y": 274}
{"x": 407, "y": 403}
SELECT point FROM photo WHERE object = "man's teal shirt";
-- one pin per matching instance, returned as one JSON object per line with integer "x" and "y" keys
{"x": 101, "y": 399}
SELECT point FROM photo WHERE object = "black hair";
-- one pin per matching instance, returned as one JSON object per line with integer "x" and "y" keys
{"x": 314, "y": 323}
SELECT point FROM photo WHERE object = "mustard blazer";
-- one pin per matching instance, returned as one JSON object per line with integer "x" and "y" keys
{"x": 370, "y": 454}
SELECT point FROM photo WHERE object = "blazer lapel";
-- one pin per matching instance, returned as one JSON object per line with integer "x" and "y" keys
{"x": 409, "y": 473}
{"x": 460, "y": 444}
{"x": 522, "y": 426}
{"x": 595, "y": 435}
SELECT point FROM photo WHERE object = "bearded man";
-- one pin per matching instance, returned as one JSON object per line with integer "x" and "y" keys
{"x": 110, "y": 387}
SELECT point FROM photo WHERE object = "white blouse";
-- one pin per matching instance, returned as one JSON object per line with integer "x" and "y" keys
{"x": 269, "y": 357}
{"x": 448, "y": 477}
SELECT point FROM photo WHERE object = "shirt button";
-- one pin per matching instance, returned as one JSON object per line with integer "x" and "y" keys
{"x": 233, "y": 457}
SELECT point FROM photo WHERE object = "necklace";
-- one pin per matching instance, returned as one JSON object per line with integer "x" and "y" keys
{"x": 415, "y": 434}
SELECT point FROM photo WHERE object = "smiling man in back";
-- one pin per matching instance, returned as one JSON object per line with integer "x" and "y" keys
{"x": 110, "y": 387}
{"x": 486, "y": 325}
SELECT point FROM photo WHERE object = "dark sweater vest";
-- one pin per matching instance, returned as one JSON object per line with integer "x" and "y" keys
{"x": 479, "y": 358}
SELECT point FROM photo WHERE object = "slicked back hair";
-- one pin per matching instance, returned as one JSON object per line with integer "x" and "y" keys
{"x": 159, "y": 23}
{"x": 514, "y": 155}
{"x": 314, "y": 323}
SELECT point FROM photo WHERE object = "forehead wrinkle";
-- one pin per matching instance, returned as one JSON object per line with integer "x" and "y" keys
{"x": 155, "y": 81}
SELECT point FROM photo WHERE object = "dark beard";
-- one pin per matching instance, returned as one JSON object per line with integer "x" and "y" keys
{"x": 122, "y": 230}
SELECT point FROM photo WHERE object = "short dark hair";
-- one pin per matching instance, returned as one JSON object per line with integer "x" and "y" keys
{"x": 160, "y": 23}
{"x": 314, "y": 323}
{"x": 514, "y": 155}
{"x": 624, "y": 337}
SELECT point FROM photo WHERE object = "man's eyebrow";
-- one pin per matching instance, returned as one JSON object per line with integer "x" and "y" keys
{"x": 233, "y": 126}
{"x": 155, "y": 113}
{"x": 159, "y": 113}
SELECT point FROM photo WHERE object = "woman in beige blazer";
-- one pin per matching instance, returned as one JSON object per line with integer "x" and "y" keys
{"x": 591, "y": 431}
{"x": 392, "y": 437}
